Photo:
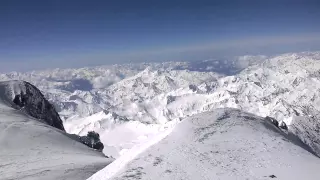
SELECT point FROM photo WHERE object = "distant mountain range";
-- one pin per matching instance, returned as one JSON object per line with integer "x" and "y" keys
{"x": 128, "y": 105}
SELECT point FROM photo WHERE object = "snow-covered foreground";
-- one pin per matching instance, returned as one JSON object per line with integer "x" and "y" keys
{"x": 222, "y": 144}
{"x": 33, "y": 150}
{"x": 131, "y": 154}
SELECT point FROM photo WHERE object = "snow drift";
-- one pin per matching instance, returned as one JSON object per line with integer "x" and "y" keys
{"x": 33, "y": 144}
{"x": 223, "y": 144}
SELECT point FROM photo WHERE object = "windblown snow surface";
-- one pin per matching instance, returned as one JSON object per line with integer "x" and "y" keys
{"x": 31, "y": 149}
{"x": 222, "y": 144}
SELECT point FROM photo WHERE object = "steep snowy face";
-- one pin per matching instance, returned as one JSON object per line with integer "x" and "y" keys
{"x": 221, "y": 144}
{"x": 27, "y": 98}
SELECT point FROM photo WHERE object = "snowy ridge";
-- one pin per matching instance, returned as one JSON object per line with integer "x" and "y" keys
{"x": 128, "y": 156}
{"x": 222, "y": 144}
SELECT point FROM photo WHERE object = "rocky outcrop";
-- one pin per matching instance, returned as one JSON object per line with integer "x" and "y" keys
{"x": 29, "y": 99}
{"x": 23, "y": 96}
{"x": 92, "y": 140}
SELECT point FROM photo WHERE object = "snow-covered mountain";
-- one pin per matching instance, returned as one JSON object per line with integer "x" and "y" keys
{"x": 129, "y": 105}
{"x": 221, "y": 144}
{"x": 33, "y": 142}
{"x": 86, "y": 91}
{"x": 133, "y": 95}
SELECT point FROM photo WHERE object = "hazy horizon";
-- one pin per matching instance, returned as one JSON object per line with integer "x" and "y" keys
{"x": 38, "y": 34}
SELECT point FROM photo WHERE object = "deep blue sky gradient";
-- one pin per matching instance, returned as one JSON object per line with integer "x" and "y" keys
{"x": 73, "y": 33}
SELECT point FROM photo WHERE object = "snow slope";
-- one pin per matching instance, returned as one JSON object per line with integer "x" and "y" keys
{"x": 33, "y": 149}
{"x": 222, "y": 144}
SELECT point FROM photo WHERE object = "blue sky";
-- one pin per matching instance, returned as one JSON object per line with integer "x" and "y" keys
{"x": 37, "y": 34}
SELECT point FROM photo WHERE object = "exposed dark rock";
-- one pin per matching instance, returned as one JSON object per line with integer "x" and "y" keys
{"x": 193, "y": 87}
{"x": 118, "y": 117}
{"x": 33, "y": 103}
{"x": 283, "y": 125}
{"x": 273, "y": 120}
{"x": 98, "y": 146}
{"x": 18, "y": 101}
{"x": 92, "y": 140}
{"x": 28, "y": 99}
{"x": 258, "y": 84}
{"x": 170, "y": 99}
{"x": 273, "y": 176}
